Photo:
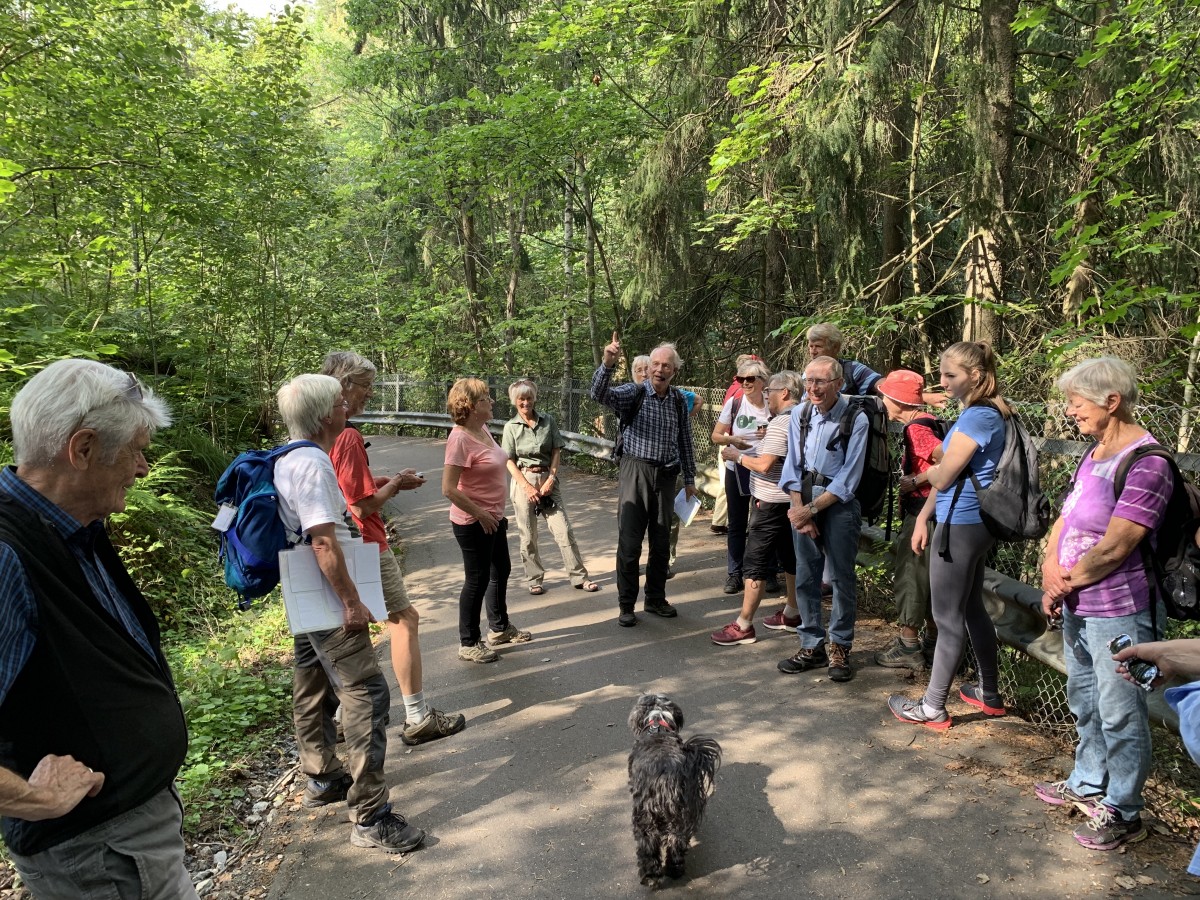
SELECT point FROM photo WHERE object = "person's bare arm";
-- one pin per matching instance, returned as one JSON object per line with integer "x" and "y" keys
{"x": 406, "y": 480}
{"x": 1120, "y": 539}
{"x": 760, "y": 464}
{"x": 54, "y": 788}
{"x": 355, "y": 616}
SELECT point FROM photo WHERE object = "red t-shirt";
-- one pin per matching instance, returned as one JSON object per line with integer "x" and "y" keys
{"x": 357, "y": 483}
{"x": 920, "y": 444}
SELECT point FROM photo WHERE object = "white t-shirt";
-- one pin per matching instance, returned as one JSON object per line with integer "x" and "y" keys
{"x": 309, "y": 494}
{"x": 745, "y": 424}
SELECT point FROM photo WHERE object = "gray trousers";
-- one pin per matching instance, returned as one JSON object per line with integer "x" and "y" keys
{"x": 646, "y": 495}
{"x": 956, "y": 595}
{"x": 556, "y": 521}
{"x": 335, "y": 667}
{"x": 137, "y": 854}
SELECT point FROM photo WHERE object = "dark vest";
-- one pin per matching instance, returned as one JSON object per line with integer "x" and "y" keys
{"x": 89, "y": 690}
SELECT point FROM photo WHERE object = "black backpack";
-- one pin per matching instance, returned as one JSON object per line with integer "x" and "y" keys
{"x": 875, "y": 484}
{"x": 1012, "y": 507}
{"x": 1173, "y": 566}
{"x": 625, "y": 420}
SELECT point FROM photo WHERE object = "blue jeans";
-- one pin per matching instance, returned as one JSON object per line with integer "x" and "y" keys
{"x": 838, "y": 545}
{"x": 1113, "y": 756}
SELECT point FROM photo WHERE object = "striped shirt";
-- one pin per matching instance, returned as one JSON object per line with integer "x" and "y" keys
{"x": 18, "y": 607}
{"x": 765, "y": 487}
{"x": 655, "y": 434}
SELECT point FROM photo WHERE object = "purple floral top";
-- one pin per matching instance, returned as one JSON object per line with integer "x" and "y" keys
{"x": 1086, "y": 514}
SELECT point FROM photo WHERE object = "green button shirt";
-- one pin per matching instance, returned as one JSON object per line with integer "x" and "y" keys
{"x": 532, "y": 446}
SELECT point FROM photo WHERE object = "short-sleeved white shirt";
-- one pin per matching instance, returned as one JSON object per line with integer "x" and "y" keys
{"x": 745, "y": 424}
{"x": 309, "y": 494}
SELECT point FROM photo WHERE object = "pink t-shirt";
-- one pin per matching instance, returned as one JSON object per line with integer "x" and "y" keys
{"x": 484, "y": 475}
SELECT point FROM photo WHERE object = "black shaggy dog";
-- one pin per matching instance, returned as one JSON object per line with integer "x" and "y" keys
{"x": 670, "y": 780}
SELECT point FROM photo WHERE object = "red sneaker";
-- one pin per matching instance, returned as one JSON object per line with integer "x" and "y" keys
{"x": 781, "y": 622}
{"x": 731, "y": 635}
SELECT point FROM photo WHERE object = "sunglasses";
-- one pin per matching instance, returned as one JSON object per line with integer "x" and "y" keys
{"x": 745, "y": 379}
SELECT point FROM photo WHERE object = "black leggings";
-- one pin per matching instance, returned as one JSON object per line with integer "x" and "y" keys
{"x": 956, "y": 598}
{"x": 486, "y": 564}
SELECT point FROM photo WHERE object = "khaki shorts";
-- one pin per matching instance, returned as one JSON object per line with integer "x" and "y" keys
{"x": 395, "y": 597}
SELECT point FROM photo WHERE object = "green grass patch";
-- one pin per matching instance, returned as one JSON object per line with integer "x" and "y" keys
{"x": 234, "y": 678}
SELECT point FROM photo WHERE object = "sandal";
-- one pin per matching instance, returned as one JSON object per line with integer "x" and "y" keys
{"x": 590, "y": 586}
{"x": 537, "y": 590}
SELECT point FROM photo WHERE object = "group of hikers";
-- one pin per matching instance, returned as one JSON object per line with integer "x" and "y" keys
{"x": 92, "y": 734}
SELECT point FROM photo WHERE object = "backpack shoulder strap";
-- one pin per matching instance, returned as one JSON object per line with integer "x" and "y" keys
{"x": 632, "y": 413}
{"x": 1138, "y": 453}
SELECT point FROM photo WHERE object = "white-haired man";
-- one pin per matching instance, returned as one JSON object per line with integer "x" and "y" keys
{"x": 366, "y": 495}
{"x": 340, "y": 661}
{"x": 656, "y": 446}
{"x": 91, "y": 730}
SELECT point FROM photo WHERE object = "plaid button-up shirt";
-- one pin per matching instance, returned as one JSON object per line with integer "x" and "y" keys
{"x": 18, "y": 608}
{"x": 657, "y": 433}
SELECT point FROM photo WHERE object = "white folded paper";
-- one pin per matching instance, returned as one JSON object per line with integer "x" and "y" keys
{"x": 686, "y": 509}
{"x": 309, "y": 599}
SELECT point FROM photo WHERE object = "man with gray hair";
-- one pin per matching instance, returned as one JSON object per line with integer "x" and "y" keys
{"x": 656, "y": 441}
{"x": 365, "y": 496}
{"x": 341, "y": 661}
{"x": 91, "y": 731}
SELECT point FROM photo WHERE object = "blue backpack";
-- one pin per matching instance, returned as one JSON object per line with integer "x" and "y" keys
{"x": 250, "y": 546}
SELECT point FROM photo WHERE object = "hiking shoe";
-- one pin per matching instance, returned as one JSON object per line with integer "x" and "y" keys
{"x": 731, "y": 634}
{"x": 733, "y": 585}
{"x": 807, "y": 658}
{"x": 627, "y": 619}
{"x": 781, "y": 621}
{"x": 1056, "y": 793}
{"x": 433, "y": 726}
{"x": 772, "y": 587}
{"x": 1107, "y": 830}
{"x": 670, "y": 572}
{"x": 901, "y": 656}
{"x": 991, "y": 704}
{"x": 719, "y": 529}
{"x": 322, "y": 793}
{"x": 389, "y": 832}
{"x": 662, "y": 608}
{"x": 914, "y": 711}
{"x": 510, "y": 635}
{"x": 839, "y": 662}
{"x": 477, "y": 652}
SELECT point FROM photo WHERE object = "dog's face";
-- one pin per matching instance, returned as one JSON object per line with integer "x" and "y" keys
{"x": 655, "y": 713}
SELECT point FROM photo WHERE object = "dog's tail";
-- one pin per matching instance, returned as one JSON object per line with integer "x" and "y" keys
{"x": 703, "y": 755}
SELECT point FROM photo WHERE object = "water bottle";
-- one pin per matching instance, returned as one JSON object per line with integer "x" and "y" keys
{"x": 1142, "y": 672}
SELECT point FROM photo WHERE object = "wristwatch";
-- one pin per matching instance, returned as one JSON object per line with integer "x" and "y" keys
{"x": 812, "y": 509}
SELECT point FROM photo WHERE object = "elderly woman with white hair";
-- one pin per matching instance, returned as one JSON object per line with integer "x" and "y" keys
{"x": 1093, "y": 575}
{"x": 534, "y": 445}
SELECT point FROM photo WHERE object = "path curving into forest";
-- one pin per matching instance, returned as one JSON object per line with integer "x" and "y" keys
{"x": 821, "y": 794}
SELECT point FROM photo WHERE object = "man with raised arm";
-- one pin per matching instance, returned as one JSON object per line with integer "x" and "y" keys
{"x": 91, "y": 730}
{"x": 656, "y": 445}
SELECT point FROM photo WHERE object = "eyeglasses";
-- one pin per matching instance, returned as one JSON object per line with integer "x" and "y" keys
{"x": 769, "y": 390}
{"x": 133, "y": 390}
{"x": 745, "y": 379}
{"x": 367, "y": 386}
{"x": 818, "y": 382}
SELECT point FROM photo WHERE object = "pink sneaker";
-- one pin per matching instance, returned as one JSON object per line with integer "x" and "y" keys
{"x": 731, "y": 635}
{"x": 780, "y": 622}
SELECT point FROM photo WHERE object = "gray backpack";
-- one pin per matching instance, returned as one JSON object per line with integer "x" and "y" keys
{"x": 1013, "y": 507}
